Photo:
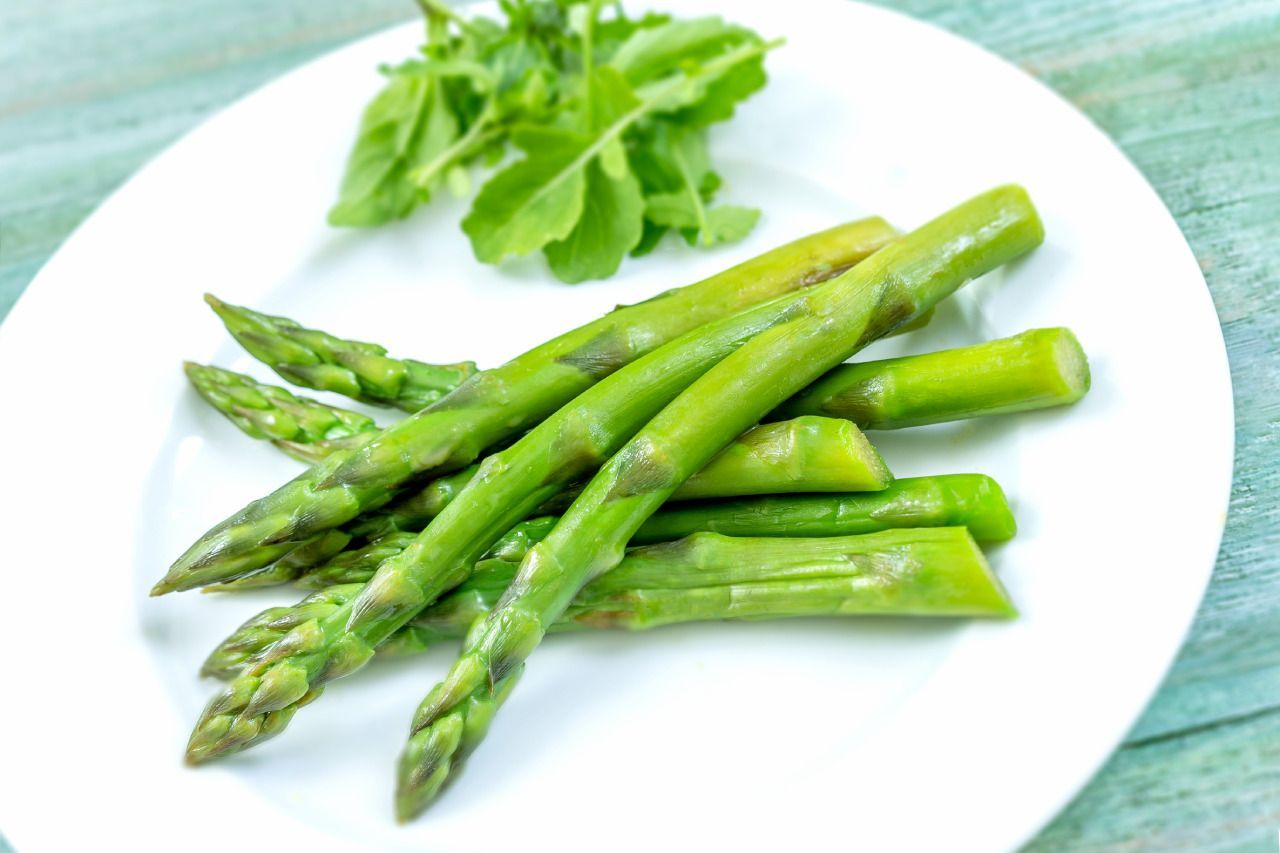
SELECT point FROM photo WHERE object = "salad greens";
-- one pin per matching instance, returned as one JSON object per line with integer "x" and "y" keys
{"x": 607, "y": 116}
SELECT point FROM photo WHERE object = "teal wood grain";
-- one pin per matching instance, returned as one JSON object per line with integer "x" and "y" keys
{"x": 1190, "y": 89}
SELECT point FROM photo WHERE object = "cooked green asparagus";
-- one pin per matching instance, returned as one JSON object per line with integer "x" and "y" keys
{"x": 707, "y": 576}
{"x": 318, "y": 360}
{"x": 808, "y": 454}
{"x": 1036, "y": 369}
{"x": 973, "y": 501}
{"x": 305, "y": 429}
{"x": 497, "y": 404}
{"x": 509, "y": 486}
{"x": 1033, "y": 370}
{"x": 824, "y": 328}
{"x": 950, "y": 500}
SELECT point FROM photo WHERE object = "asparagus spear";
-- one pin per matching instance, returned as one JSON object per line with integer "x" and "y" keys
{"x": 496, "y": 404}
{"x": 829, "y": 325}
{"x": 808, "y": 454}
{"x": 305, "y": 429}
{"x": 790, "y": 456}
{"x": 1033, "y": 370}
{"x": 509, "y": 486}
{"x": 707, "y": 576}
{"x": 318, "y": 360}
{"x": 974, "y": 501}
{"x": 266, "y": 337}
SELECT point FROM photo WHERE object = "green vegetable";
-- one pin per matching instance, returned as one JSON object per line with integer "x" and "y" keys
{"x": 707, "y": 576}
{"x": 509, "y": 486}
{"x": 301, "y": 427}
{"x": 824, "y": 327}
{"x": 974, "y": 501}
{"x": 496, "y": 404}
{"x": 803, "y": 455}
{"x": 968, "y": 500}
{"x": 807, "y": 454}
{"x": 355, "y": 369}
{"x": 609, "y": 112}
{"x": 1033, "y": 370}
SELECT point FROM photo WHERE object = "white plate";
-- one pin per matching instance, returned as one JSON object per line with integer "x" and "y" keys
{"x": 837, "y": 733}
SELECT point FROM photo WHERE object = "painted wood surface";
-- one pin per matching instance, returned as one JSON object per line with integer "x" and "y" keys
{"x": 1190, "y": 89}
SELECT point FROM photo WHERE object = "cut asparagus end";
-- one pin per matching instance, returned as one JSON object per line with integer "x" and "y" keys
{"x": 1071, "y": 362}
{"x": 981, "y": 506}
{"x": 1036, "y": 369}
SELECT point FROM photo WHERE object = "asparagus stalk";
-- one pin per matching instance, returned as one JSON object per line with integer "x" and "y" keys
{"x": 496, "y": 404}
{"x": 318, "y": 360}
{"x": 268, "y": 339}
{"x": 1033, "y": 370}
{"x": 974, "y": 501}
{"x": 414, "y": 510}
{"x": 303, "y": 428}
{"x": 508, "y": 487}
{"x": 808, "y": 454}
{"x": 707, "y": 576}
{"x": 830, "y": 324}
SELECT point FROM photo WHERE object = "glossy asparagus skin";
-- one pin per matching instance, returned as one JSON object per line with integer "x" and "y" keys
{"x": 973, "y": 501}
{"x": 497, "y": 404}
{"x": 808, "y": 454}
{"x": 509, "y": 486}
{"x": 1033, "y": 370}
{"x": 831, "y": 323}
{"x": 705, "y": 577}
{"x": 305, "y": 429}
{"x": 805, "y": 454}
{"x": 318, "y": 360}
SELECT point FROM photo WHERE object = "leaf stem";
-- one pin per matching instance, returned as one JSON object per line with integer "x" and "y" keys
{"x": 588, "y": 59}
{"x": 656, "y": 93}
{"x": 481, "y": 131}
{"x": 440, "y": 9}
{"x": 700, "y": 209}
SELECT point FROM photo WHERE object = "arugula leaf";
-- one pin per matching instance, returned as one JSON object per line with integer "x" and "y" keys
{"x": 408, "y": 121}
{"x": 700, "y": 224}
{"x": 540, "y": 199}
{"x": 650, "y": 237}
{"x": 533, "y": 201}
{"x": 611, "y": 226}
{"x": 689, "y": 185}
{"x": 607, "y": 110}
{"x": 659, "y": 51}
{"x": 720, "y": 97}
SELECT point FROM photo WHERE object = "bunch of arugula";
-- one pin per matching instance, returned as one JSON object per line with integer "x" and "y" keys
{"x": 609, "y": 113}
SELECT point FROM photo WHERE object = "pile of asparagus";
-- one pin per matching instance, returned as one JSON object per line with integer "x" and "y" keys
{"x": 698, "y": 456}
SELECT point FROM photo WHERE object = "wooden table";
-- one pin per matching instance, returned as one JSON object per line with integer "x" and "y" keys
{"x": 1190, "y": 89}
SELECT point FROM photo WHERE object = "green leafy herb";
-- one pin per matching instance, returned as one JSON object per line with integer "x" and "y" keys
{"x": 607, "y": 115}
